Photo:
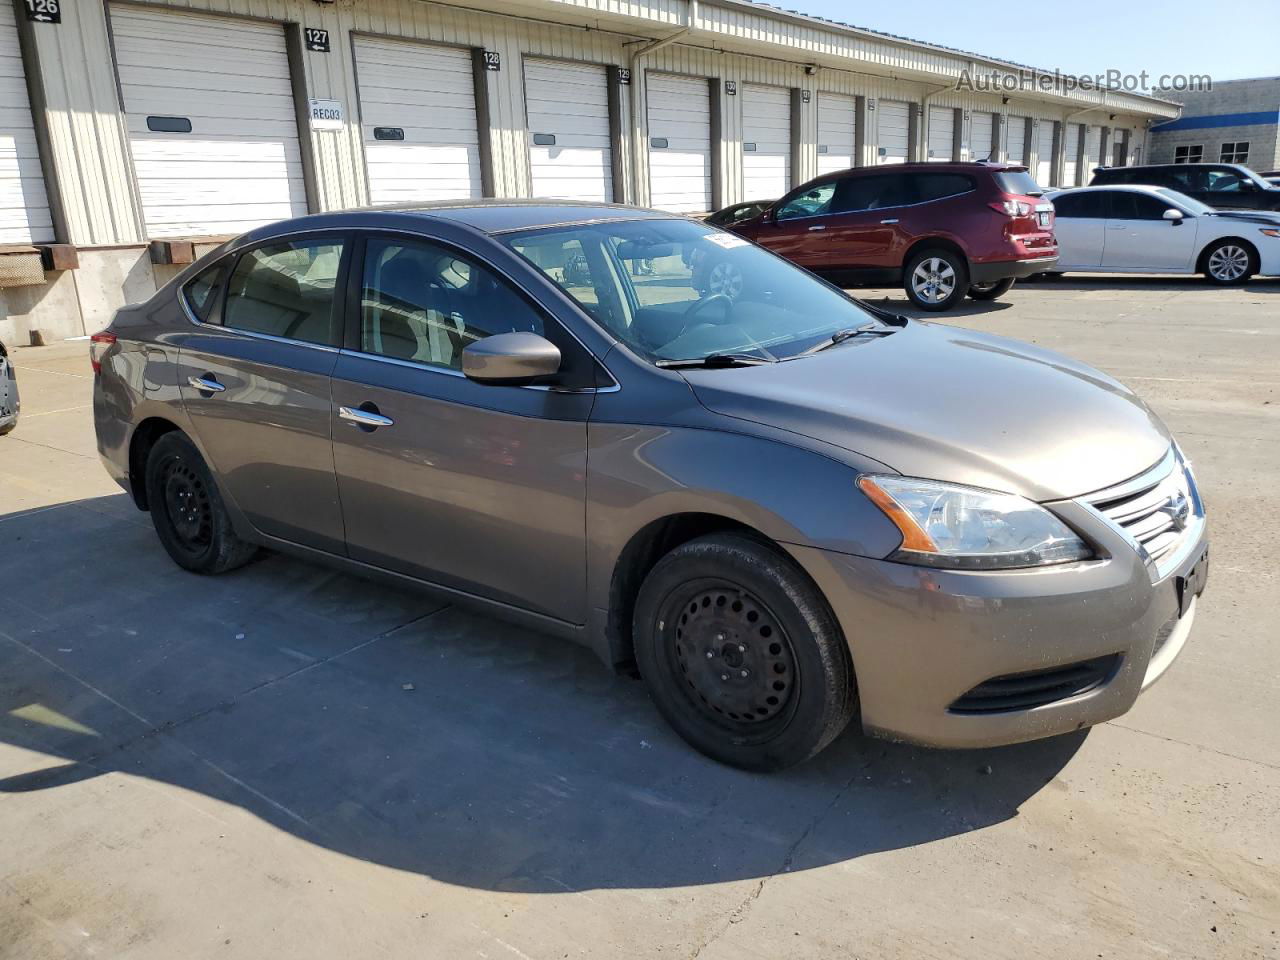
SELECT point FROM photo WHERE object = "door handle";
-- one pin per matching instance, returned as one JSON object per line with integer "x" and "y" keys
{"x": 206, "y": 384}
{"x": 818, "y": 227}
{"x": 365, "y": 418}
{"x": 889, "y": 221}
{"x": 1117, "y": 226}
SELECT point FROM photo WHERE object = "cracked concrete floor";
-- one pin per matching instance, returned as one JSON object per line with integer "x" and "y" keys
{"x": 285, "y": 762}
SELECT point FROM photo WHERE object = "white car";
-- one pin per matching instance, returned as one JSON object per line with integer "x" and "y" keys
{"x": 1136, "y": 229}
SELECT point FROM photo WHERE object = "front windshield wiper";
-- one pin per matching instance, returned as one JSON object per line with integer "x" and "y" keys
{"x": 715, "y": 360}
{"x": 840, "y": 336}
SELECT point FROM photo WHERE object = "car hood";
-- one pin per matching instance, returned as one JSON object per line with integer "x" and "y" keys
{"x": 1261, "y": 216}
{"x": 950, "y": 404}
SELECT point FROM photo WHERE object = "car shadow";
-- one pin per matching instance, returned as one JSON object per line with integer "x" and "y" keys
{"x": 388, "y": 727}
{"x": 900, "y": 304}
{"x": 1146, "y": 282}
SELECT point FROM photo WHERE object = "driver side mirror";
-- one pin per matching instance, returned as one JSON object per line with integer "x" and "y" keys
{"x": 510, "y": 359}
{"x": 1174, "y": 216}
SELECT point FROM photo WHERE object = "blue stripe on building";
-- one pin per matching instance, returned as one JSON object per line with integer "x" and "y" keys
{"x": 1262, "y": 117}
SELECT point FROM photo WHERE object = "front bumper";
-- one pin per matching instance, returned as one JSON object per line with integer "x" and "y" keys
{"x": 994, "y": 270}
{"x": 921, "y": 638}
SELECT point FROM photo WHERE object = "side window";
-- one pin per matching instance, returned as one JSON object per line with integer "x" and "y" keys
{"x": 1189, "y": 153}
{"x": 286, "y": 290}
{"x": 1223, "y": 181}
{"x": 202, "y": 290}
{"x": 1136, "y": 206}
{"x": 1235, "y": 152}
{"x": 810, "y": 203}
{"x": 873, "y": 193}
{"x": 421, "y": 302}
{"x": 937, "y": 186}
{"x": 1089, "y": 205}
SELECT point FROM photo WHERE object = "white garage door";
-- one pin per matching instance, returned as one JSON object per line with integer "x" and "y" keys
{"x": 942, "y": 131}
{"x": 1071, "y": 151}
{"x": 893, "y": 131}
{"x": 980, "y": 128}
{"x": 837, "y": 132}
{"x": 570, "y": 155}
{"x": 211, "y": 121}
{"x": 24, "y": 208}
{"x": 1093, "y": 152}
{"x": 679, "y": 110}
{"x": 766, "y": 142}
{"x": 1044, "y": 151}
{"x": 418, "y": 119}
{"x": 1016, "y": 143}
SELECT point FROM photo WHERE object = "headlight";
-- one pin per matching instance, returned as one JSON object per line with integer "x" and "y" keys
{"x": 945, "y": 525}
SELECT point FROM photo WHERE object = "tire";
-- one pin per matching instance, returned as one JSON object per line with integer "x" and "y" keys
{"x": 1227, "y": 263}
{"x": 741, "y": 654}
{"x": 990, "y": 291}
{"x": 936, "y": 279}
{"x": 187, "y": 511}
{"x": 723, "y": 276}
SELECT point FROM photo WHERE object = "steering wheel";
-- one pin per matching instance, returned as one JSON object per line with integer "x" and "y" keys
{"x": 698, "y": 305}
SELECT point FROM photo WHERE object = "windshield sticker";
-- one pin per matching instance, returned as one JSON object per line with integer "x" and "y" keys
{"x": 727, "y": 240}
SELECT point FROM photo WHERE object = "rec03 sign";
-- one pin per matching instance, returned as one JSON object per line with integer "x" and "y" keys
{"x": 327, "y": 115}
{"x": 43, "y": 11}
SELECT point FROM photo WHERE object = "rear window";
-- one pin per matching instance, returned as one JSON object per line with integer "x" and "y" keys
{"x": 1018, "y": 182}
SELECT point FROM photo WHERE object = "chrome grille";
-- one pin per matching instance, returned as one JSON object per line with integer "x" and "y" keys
{"x": 1156, "y": 509}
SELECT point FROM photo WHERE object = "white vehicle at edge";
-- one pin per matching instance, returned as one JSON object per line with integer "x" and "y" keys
{"x": 1138, "y": 229}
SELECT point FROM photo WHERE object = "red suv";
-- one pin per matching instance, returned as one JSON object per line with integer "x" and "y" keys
{"x": 943, "y": 230}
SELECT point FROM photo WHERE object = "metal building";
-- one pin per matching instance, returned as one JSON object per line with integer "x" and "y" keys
{"x": 133, "y": 136}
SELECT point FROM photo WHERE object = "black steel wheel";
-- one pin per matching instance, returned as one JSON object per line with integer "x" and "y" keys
{"x": 741, "y": 653}
{"x": 187, "y": 511}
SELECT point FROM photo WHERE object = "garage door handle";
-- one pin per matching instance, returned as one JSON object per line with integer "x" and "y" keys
{"x": 818, "y": 227}
{"x": 889, "y": 221}
{"x": 364, "y": 418}
{"x": 206, "y": 384}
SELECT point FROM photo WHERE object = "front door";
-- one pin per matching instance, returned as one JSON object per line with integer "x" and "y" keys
{"x": 868, "y": 231}
{"x": 476, "y": 487}
{"x": 1139, "y": 238}
{"x": 254, "y": 378}
{"x": 796, "y": 228}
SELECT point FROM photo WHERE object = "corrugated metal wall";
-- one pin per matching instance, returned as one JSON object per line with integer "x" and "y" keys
{"x": 91, "y": 152}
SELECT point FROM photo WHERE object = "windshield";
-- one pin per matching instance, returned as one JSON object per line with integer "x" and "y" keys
{"x": 678, "y": 290}
{"x": 1190, "y": 204}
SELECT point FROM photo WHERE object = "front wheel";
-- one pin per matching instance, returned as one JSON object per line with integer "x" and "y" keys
{"x": 741, "y": 653}
{"x": 936, "y": 280}
{"x": 990, "y": 291}
{"x": 1229, "y": 262}
{"x": 187, "y": 511}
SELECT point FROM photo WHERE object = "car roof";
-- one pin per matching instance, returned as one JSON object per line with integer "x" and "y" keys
{"x": 1130, "y": 187}
{"x": 485, "y": 216}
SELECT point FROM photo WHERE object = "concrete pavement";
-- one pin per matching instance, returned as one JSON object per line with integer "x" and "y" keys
{"x": 286, "y": 762}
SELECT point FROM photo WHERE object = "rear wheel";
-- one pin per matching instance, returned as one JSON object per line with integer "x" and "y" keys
{"x": 187, "y": 511}
{"x": 1229, "y": 262}
{"x": 990, "y": 291}
{"x": 936, "y": 280}
{"x": 741, "y": 654}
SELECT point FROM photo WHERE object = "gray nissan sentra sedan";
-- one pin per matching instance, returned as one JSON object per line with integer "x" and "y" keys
{"x": 786, "y": 508}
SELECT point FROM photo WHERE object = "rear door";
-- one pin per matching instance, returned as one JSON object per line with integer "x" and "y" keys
{"x": 254, "y": 378}
{"x": 837, "y": 132}
{"x": 418, "y": 120}
{"x": 679, "y": 110}
{"x": 570, "y": 146}
{"x": 893, "y": 131}
{"x": 1139, "y": 238}
{"x": 865, "y": 229}
{"x": 1080, "y": 224}
{"x": 766, "y": 141}
{"x": 476, "y": 487}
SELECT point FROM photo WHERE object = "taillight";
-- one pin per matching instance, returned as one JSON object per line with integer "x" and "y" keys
{"x": 1011, "y": 208}
{"x": 98, "y": 346}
